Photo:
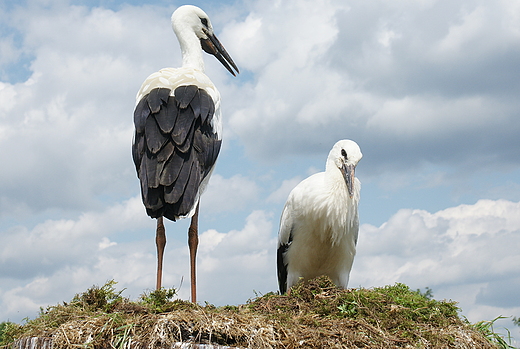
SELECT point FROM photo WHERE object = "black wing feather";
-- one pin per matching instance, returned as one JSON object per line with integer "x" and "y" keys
{"x": 167, "y": 116}
{"x": 207, "y": 150}
{"x": 211, "y": 110}
{"x": 138, "y": 150}
{"x": 195, "y": 104}
{"x": 163, "y": 94}
{"x": 173, "y": 193}
{"x": 182, "y": 126}
{"x": 217, "y": 143}
{"x": 188, "y": 140}
{"x": 150, "y": 163}
{"x": 154, "y": 101}
{"x": 141, "y": 112}
{"x": 205, "y": 106}
{"x": 155, "y": 139}
{"x": 151, "y": 198}
{"x": 171, "y": 169}
{"x": 190, "y": 192}
{"x": 174, "y": 148}
{"x": 166, "y": 152}
{"x": 281, "y": 265}
{"x": 184, "y": 95}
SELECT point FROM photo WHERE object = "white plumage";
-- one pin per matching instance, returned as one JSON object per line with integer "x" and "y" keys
{"x": 319, "y": 224}
{"x": 178, "y": 131}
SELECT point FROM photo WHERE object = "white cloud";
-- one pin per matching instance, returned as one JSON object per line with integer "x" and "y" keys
{"x": 375, "y": 72}
{"x": 71, "y": 122}
{"x": 416, "y": 117}
{"x": 472, "y": 246}
{"x": 467, "y": 253}
{"x": 469, "y": 30}
{"x": 52, "y": 261}
{"x": 281, "y": 194}
{"x": 229, "y": 194}
{"x": 105, "y": 243}
{"x": 240, "y": 261}
{"x": 55, "y": 244}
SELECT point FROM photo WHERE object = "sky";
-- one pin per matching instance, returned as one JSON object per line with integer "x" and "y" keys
{"x": 427, "y": 88}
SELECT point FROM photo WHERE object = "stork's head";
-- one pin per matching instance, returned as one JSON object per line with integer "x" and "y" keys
{"x": 345, "y": 155}
{"x": 192, "y": 18}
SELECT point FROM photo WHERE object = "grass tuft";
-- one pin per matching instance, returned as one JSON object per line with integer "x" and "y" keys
{"x": 488, "y": 331}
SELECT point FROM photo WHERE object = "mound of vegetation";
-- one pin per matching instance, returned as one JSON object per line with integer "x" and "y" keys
{"x": 314, "y": 315}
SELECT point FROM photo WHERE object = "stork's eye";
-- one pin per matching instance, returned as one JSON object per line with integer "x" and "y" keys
{"x": 344, "y": 153}
{"x": 204, "y": 22}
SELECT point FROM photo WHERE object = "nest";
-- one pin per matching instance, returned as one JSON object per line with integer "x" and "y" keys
{"x": 316, "y": 314}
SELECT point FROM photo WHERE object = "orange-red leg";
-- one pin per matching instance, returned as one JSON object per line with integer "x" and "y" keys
{"x": 193, "y": 242}
{"x": 160, "y": 241}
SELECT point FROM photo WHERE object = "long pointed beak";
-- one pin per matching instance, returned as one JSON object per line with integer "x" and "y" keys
{"x": 348, "y": 172}
{"x": 213, "y": 46}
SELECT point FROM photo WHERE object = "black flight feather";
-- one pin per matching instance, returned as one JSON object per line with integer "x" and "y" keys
{"x": 190, "y": 192}
{"x": 151, "y": 171}
{"x": 205, "y": 106}
{"x": 184, "y": 95}
{"x": 163, "y": 94}
{"x": 174, "y": 148}
{"x": 195, "y": 104}
{"x": 173, "y": 193}
{"x": 154, "y": 203}
{"x": 151, "y": 196}
{"x": 207, "y": 150}
{"x": 154, "y": 100}
{"x": 182, "y": 126}
{"x": 217, "y": 143}
{"x": 282, "y": 265}
{"x": 172, "y": 168}
{"x": 141, "y": 112}
{"x": 188, "y": 140}
{"x": 138, "y": 150}
{"x": 155, "y": 139}
{"x": 166, "y": 152}
{"x": 211, "y": 111}
{"x": 198, "y": 141}
{"x": 166, "y": 116}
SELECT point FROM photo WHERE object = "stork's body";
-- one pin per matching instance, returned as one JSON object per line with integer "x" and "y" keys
{"x": 178, "y": 132}
{"x": 319, "y": 224}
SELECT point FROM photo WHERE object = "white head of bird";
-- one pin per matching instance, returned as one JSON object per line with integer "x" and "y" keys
{"x": 344, "y": 156}
{"x": 193, "y": 29}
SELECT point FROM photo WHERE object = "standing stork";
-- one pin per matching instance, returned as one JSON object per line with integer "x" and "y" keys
{"x": 178, "y": 132}
{"x": 319, "y": 224}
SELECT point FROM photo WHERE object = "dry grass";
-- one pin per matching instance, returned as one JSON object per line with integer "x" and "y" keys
{"x": 314, "y": 315}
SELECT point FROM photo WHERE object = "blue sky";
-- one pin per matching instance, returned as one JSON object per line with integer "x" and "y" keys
{"x": 428, "y": 89}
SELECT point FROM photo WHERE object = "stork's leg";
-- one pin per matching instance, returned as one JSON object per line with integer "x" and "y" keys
{"x": 193, "y": 242}
{"x": 160, "y": 241}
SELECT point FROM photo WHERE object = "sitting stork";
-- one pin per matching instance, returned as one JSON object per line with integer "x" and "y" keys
{"x": 319, "y": 224}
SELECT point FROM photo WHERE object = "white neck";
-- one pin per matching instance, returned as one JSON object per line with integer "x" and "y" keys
{"x": 348, "y": 209}
{"x": 190, "y": 49}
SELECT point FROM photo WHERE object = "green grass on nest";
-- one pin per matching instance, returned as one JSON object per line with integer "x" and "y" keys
{"x": 315, "y": 314}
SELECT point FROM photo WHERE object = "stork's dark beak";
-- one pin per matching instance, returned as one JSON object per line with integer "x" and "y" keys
{"x": 348, "y": 172}
{"x": 213, "y": 46}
